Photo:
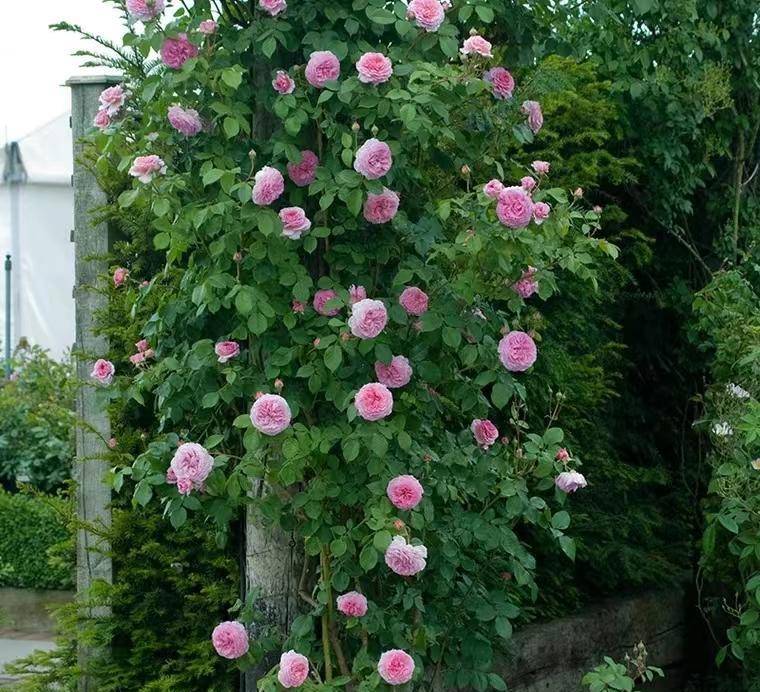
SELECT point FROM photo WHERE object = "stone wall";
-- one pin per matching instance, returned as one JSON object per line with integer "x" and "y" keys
{"x": 28, "y": 610}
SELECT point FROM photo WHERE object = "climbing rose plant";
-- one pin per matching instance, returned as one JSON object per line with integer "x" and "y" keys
{"x": 348, "y": 312}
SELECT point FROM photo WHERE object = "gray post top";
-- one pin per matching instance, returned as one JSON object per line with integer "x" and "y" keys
{"x": 76, "y": 80}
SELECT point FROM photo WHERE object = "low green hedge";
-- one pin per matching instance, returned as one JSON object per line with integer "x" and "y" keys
{"x": 34, "y": 542}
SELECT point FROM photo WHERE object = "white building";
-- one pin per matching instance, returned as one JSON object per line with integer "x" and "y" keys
{"x": 36, "y": 218}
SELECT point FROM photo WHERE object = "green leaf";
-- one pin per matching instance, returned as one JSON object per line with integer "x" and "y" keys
{"x": 368, "y": 558}
{"x": 561, "y": 520}
{"x": 161, "y": 241}
{"x": 127, "y": 198}
{"x": 233, "y": 76}
{"x": 501, "y": 394}
{"x": 503, "y": 628}
{"x": 333, "y": 357}
{"x": 231, "y": 127}
{"x": 382, "y": 540}
{"x": 568, "y": 546}
{"x": 351, "y": 448}
{"x": 354, "y": 201}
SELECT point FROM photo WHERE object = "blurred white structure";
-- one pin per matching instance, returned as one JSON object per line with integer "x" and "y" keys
{"x": 36, "y": 218}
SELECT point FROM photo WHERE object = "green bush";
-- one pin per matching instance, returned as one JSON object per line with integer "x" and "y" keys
{"x": 33, "y": 534}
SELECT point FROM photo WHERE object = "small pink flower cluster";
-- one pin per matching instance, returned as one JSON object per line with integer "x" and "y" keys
{"x": 145, "y": 10}
{"x": 535, "y": 120}
{"x": 515, "y": 207}
{"x": 111, "y": 101}
{"x": 226, "y": 350}
{"x": 120, "y": 275}
{"x": 190, "y": 467}
{"x": 405, "y": 559}
{"x": 145, "y": 168}
{"x": 103, "y": 371}
{"x": 294, "y": 222}
{"x": 185, "y": 120}
{"x": 526, "y": 285}
{"x": 176, "y": 51}
{"x": 273, "y": 7}
{"x": 144, "y": 352}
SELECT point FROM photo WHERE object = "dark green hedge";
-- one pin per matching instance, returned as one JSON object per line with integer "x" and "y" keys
{"x": 33, "y": 534}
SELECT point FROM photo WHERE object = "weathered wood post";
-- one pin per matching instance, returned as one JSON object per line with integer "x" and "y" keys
{"x": 93, "y": 428}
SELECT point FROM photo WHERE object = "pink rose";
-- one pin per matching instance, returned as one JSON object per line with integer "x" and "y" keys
{"x": 541, "y": 167}
{"x": 103, "y": 371}
{"x": 517, "y": 351}
{"x": 294, "y": 222}
{"x": 541, "y": 212}
{"x": 304, "y": 172}
{"x": 323, "y": 67}
{"x": 226, "y": 350}
{"x": 270, "y": 414}
{"x": 527, "y": 183}
{"x": 191, "y": 464}
{"x": 207, "y": 27}
{"x": 120, "y": 276}
{"x": 502, "y": 82}
{"x": 321, "y": 297}
{"x": 368, "y": 318}
{"x": 562, "y": 455}
{"x": 578, "y": 192}
{"x": 597, "y": 209}
{"x": 352, "y": 604}
{"x": 145, "y": 10}
{"x": 112, "y": 99}
{"x": 137, "y": 358}
{"x": 493, "y": 188}
{"x": 144, "y": 168}
{"x": 356, "y": 293}
{"x": 428, "y": 14}
{"x": 184, "y": 486}
{"x": 268, "y": 186}
{"x": 373, "y": 159}
{"x": 185, "y": 120}
{"x": 514, "y": 208}
{"x": 374, "y": 401}
{"x": 142, "y": 346}
{"x": 294, "y": 669}
{"x": 570, "y": 481}
{"x": 298, "y": 307}
{"x": 273, "y": 7}
{"x": 175, "y": 52}
{"x": 283, "y": 83}
{"x": 396, "y": 374}
{"x": 535, "y": 117}
{"x": 374, "y": 68}
{"x": 101, "y": 120}
{"x": 230, "y": 639}
{"x": 526, "y": 285}
{"x": 405, "y": 492}
{"x": 484, "y": 432}
{"x": 382, "y": 207}
{"x": 396, "y": 667}
{"x": 414, "y": 300}
{"x": 405, "y": 559}
{"x": 112, "y": 443}
{"x": 478, "y": 45}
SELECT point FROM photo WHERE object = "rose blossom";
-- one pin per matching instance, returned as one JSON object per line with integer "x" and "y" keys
{"x": 368, "y": 318}
{"x": 185, "y": 120}
{"x": 230, "y": 639}
{"x": 142, "y": 346}
{"x": 144, "y": 168}
{"x": 273, "y": 7}
{"x": 175, "y": 52}
{"x": 493, "y": 188}
{"x": 515, "y": 207}
{"x": 352, "y": 604}
{"x": 541, "y": 212}
{"x": 570, "y": 481}
{"x": 405, "y": 492}
{"x": 226, "y": 350}
{"x": 428, "y": 14}
{"x": 562, "y": 455}
{"x": 320, "y": 298}
{"x": 294, "y": 669}
{"x": 374, "y": 68}
{"x": 541, "y": 167}
{"x": 396, "y": 667}
{"x": 323, "y": 67}
{"x": 192, "y": 464}
{"x": 414, "y": 300}
{"x": 535, "y": 117}
{"x": 304, "y": 172}
{"x": 283, "y": 83}
{"x": 145, "y": 10}
{"x": 103, "y": 371}
{"x": 526, "y": 285}
{"x": 502, "y": 82}
{"x": 112, "y": 99}
{"x": 527, "y": 183}
{"x": 578, "y": 192}
{"x": 405, "y": 559}
{"x": 476, "y": 44}
{"x": 120, "y": 276}
{"x": 517, "y": 351}
{"x": 484, "y": 432}
{"x": 395, "y": 374}
{"x": 294, "y": 222}
{"x": 381, "y": 207}
{"x": 270, "y": 414}
{"x": 101, "y": 120}
{"x": 297, "y": 306}
{"x": 268, "y": 186}
{"x": 373, "y": 159}
{"x": 356, "y": 293}
{"x": 207, "y": 27}
{"x": 374, "y": 401}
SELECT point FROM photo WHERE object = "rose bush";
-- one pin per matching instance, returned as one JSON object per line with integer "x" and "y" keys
{"x": 291, "y": 89}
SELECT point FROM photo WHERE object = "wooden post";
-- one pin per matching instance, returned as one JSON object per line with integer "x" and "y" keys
{"x": 93, "y": 428}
